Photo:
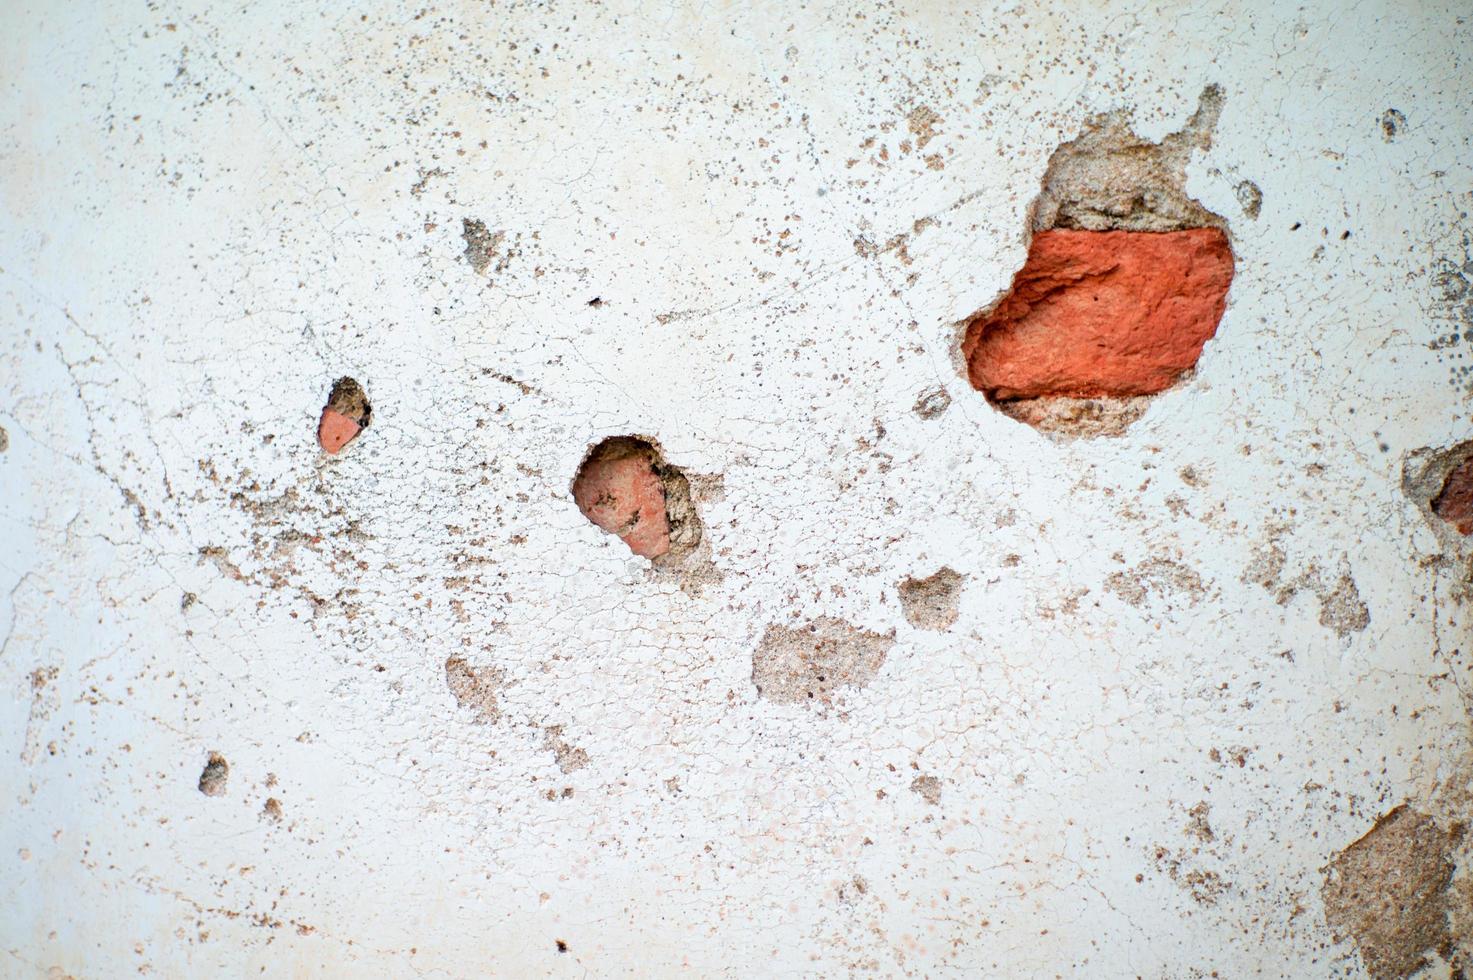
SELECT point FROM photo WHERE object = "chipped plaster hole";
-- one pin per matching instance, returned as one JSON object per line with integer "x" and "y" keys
{"x": 625, "y": 487}
{"x": 809, "y": 664}
{"x": 1164, "y": 579}
{"x": 1440, "y": 482}
{"x": 475, "y": 688}
{"x": 1250, "y": 198}
{"x": 1389, "y": 892}
{"x": 931, "y": 603}
{"x": 1341, "y": 608}
{"x": 927, "y": 788}
{"x": 215, "y": 776}
{"x": 1125, "y": 281}
{"x": 346, "y": 414}
{"x": 1102, "y": 314}
{"x": 1454, "y": 502}
{"x": 570, "y": 758}
{"x": 486, "y": 250}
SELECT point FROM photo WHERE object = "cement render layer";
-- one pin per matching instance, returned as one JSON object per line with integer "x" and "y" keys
{"x": 750, "y": 232}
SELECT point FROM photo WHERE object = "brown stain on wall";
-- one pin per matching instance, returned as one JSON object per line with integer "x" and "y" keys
{"x": 475, "y": 688}
{"x": 931, "y": 603}
{"x": 810, "y": 664}
{"x": 1389, "y": 892}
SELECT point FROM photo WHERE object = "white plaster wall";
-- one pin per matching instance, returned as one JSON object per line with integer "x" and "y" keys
{"x": 212, "y": 210}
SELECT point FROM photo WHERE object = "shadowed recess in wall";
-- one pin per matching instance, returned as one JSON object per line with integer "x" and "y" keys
{"x": 1440, "y": 482}
{"x": 1454, "y": 504}
{"x": 625, "y": 486}
{"x": 1126, "y": 280}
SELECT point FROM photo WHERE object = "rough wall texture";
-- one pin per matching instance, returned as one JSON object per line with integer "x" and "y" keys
{"x": 403, "y": 710}
{"x": 1092, "y": 313}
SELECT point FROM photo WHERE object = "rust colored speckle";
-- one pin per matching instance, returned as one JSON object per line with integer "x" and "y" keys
{"x": 335, "y": 430}
{"x": 1454, "y": 503}
{"x": 1102, "y": 314}
{"x": 621, "y": 493}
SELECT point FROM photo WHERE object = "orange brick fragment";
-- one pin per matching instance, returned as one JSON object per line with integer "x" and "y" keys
{"x": 335, "y": 430}
{"x": 622, "y": 493}
{"x": 1102, "y": 314}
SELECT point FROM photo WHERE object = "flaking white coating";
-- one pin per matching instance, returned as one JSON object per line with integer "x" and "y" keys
{"x": 213, "y": 211}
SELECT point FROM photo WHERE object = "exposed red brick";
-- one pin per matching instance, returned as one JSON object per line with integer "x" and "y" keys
{"x": 1455, "y": 503}
{"x": 335, "y": 430}
{"x": 1102, "y": 314}
{"x": 345, "y": 415}
{"x": 618, "y": 489}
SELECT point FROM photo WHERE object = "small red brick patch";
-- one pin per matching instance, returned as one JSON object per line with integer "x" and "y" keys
{"x": 1455, "y": 503}
{"x": 344, "y": 416}
{"x": 621, "y": 493}
{"x": 1102, "y": 314}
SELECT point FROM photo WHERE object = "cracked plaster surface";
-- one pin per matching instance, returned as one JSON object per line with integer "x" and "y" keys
{"x": 750, "y": 233}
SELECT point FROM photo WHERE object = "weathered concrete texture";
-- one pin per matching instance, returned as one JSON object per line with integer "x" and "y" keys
{"x": 215, "y": 778}
{"x": 1077, "y": 417}
{"x": 485, "y": 250}
{"x": 475, "y": 688}
{"x": 1390, "y": 890}
{"x": 813, "y": 664}
{"x": 1110, "y": 179}
{"x": 932, "y": 603}
{"x": 1094, "y": 314}
{"x": 915, "y": 690}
